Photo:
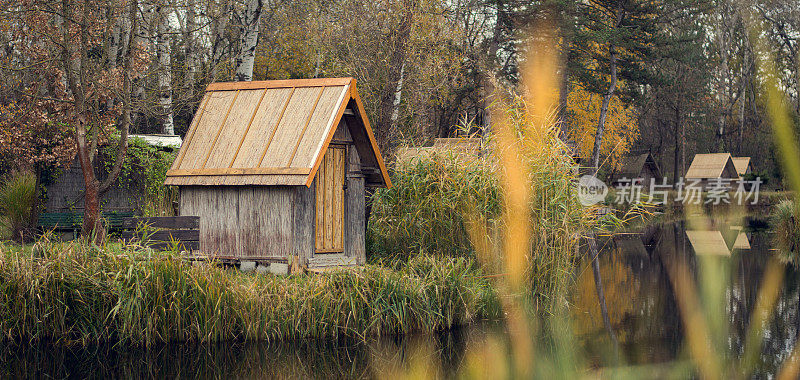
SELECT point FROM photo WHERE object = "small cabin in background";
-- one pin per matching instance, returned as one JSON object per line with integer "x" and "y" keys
{"x": 277, "y": 171}
{"x": 711, "y": 166}
{"x": 742, "y": 165}
{"x": 63, "y": 207}
{"x": 636, "y": 166}
{"x": 463, "y": 148}
{"x": 65, "y": 191}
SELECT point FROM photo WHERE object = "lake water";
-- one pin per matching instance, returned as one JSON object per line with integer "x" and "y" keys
{"x": 642, "y": 309}
{"x": 645, "y": 322}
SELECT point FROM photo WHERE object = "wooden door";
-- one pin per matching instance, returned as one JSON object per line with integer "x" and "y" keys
{"x": 330, "y": 201}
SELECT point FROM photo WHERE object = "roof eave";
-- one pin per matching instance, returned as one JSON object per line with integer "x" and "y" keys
{"x": 352, "y": 93}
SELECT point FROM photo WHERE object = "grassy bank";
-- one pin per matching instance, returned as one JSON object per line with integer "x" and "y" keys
{"x": 73, "y": 293}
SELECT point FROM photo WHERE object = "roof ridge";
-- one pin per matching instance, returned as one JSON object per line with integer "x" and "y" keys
{"x": 278, "y": 83}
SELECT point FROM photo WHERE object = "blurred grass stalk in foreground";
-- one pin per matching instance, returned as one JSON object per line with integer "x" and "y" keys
{"x": 519, "y": 150}
{"x": 703, "y": 310}
{"x": 704, "y": 316}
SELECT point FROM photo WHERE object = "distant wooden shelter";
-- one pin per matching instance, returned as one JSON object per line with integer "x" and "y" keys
{"x": 636, "y": 166}
{"x": 277, "y": 171}
{"x": 463, "y": 148}
{"x": 742, "y": 165}
{"x": 65, "y": 191}
{"x": 710, "y": 166}
{"x": 708, "y": 243}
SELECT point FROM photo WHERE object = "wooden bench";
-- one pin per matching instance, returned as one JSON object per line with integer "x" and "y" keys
{"x": 66, "y": 224}
{"x": 163, "y": 233}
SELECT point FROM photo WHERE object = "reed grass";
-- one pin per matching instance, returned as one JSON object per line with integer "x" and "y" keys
{"x": 71, "y": 293}
{"x": 786, "y": 236}
{"x": 17, "y": 195}
{"x": 425, "y": 209}
{"x": 445, "y": 204}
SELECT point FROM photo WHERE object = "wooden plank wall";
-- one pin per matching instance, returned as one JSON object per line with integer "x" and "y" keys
{"x": 355, "y": 203}
{"x": 355, "y": 231}
{"x": 242, "y": 221}
{"x": 304, "y": 215}
{"x": 265, "y": 221}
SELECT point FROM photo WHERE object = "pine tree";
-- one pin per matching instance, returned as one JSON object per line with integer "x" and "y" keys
{"x": 617, "y": 41}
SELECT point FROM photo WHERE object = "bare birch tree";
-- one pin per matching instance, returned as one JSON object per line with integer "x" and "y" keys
{"x": 251, "y": 20}
{"x": 163, "y": 56}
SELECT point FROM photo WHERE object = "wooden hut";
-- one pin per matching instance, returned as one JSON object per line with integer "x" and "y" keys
{"x": 277, "y": 172}
{"x": 706, "y": 167}
{"x": 636, "y": 166}
{"x": 742, "y": 165}
{"x": 462, "y": 148}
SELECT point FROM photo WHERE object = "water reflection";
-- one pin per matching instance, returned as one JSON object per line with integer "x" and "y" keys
{"x": 642, "y": 307}
{"x": 643, "y": 316}
{"x": 441, "y": 354}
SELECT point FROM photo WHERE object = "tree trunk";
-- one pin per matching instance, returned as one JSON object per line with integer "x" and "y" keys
{"x": 742, "y": 100}
{"x": 399, "y": 41}
{"x": 398, "y": 97}
{"x": 601, "y": 122}
{"x": 113, "y": 50}
{"x": 145, "y": 38}
{"x": 189, "y": 47}
{"x": 91, "y": 211}
{"x": 164, "y": 70}
{"x": 249, "y": 39}
{"x": 91, "y": 227}
{"x": 218, "y": 26}
{"x": 76, "y": 83}
{"x": 125, "y": 124}
{"x": 678, "y": 157}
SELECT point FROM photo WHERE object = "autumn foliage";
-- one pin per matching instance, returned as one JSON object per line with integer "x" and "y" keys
{"x": 583, "y": 110}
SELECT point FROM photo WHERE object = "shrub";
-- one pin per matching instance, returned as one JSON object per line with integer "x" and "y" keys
{"x": 17, "y": 196}
{"x": 786, "y": 237}
{"x": 144, "y": 168}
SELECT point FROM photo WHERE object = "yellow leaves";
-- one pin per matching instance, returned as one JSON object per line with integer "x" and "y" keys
{"x": 621, "y": 127}
{"x": 621, "y": 289}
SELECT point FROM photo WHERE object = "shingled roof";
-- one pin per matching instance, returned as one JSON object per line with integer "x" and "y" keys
{"x": 712, "y": 165}
{"x": 273, "y": 133}
{"x": 742, "y": 165}
{"x": 631, "y": 166}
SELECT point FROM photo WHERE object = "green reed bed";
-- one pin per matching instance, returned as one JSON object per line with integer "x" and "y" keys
{"x": 439, "y": 203}
{"x": 73, "y": 293}
{"x": 786, "y": 237}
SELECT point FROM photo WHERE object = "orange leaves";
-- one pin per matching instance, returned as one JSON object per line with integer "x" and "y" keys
{"x": 621, "y": 128}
